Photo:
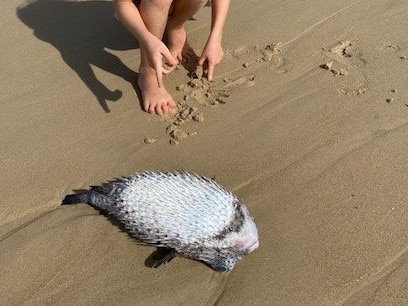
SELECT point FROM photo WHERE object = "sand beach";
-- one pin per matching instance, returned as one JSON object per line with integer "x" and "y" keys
{"x": 306, "y": 121}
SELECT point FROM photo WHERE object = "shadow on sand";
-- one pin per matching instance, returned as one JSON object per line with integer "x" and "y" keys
{"x": 82, "y": 31}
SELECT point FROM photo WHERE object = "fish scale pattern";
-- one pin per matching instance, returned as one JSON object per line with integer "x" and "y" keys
{"x": 178, "y": 205}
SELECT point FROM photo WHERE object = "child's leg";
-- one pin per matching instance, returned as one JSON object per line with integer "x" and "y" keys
{"x": 181, "y": 11}
{"x": 156, "y": 100}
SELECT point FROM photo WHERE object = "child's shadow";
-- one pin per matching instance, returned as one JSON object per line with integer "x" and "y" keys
{"x": 82, "y": 31}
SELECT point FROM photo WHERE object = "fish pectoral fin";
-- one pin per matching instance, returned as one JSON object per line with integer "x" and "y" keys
{"x": 160, "y": 256}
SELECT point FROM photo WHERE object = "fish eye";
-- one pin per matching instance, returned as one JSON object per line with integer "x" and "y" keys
{"x": 220, "y": 268}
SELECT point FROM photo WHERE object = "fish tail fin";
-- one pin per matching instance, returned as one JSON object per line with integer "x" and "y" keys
{"x": 76, "y": 199}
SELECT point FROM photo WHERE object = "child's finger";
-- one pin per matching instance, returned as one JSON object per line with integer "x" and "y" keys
{"x": 166, "y": 69}
{"x": 210, "y": 72}
{"x": 201, "y": 61}
{"x": 169, "y": 57}
{"x": 159, "y": 74}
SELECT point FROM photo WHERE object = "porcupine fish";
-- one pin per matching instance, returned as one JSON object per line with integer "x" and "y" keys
{"x": 190, "y": 215}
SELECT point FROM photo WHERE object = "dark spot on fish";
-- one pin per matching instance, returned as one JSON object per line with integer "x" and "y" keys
{"x": 235, "y": 224}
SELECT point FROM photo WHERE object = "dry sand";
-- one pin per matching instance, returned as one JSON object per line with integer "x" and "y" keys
{"x": 313, "y": 136}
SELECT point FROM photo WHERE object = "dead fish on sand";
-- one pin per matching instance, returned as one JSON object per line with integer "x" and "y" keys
{"x": 190, "y": 215}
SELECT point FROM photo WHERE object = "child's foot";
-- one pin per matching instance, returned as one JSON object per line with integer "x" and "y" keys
{"x": 156, "y": 100}
{"x": 178, "y": 44}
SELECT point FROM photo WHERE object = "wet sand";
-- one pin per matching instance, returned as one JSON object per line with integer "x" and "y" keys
{"x": 306, "y": 121}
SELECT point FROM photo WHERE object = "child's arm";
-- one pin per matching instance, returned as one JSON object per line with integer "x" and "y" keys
{"x": 130, "y": 17}
{"x": 212, "y": 53}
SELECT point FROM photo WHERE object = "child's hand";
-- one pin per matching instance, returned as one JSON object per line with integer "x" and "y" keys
{"x": 212, "y": 55}
{"x": 156, "y": 50}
